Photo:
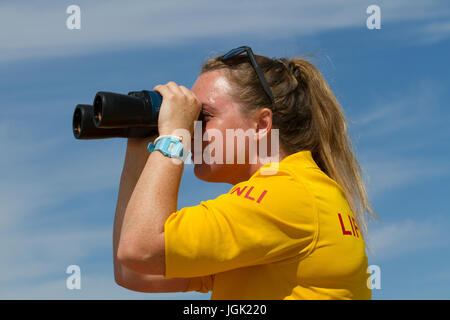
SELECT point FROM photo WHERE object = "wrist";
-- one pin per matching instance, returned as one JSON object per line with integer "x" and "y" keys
{"x": 171, "y": 146}
{"x": 183, "y": 133}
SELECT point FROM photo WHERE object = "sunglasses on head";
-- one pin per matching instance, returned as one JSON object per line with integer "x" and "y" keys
{"x": 259, "y": 73}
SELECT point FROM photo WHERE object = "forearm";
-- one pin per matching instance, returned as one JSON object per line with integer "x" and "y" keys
{"x": 150, "y": 283}
{"x": 153, "y": 200}
{"x": 135, "y": 158}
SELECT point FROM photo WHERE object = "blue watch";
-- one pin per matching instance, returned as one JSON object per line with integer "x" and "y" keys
{"x": 170, "y": 146}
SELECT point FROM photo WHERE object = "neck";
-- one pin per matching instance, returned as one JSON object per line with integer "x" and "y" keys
{"x": 250, "y": 169}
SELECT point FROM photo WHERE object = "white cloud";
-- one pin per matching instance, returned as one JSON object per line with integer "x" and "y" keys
{"x": 41, "y": 171}
{"x": 39, "y": 29}
{"x": 396, "y": 239}
{"x": 436, "y": 32}
{"x": 395, "y": 127}
{"x": 386, "y": 173}
{"x": 413, "y": 106}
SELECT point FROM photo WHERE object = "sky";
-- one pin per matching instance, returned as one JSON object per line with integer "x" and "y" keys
{"x": 58, "y": 194}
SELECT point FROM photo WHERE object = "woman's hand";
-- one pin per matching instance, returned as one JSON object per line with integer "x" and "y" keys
{"x": 179, "y": 109}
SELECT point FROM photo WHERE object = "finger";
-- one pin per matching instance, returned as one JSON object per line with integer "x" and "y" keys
{"x": 190, "y": 94}
{"x": 186, "y": 91}
{"x": 174, "y": 87}
{"x": 195, "y": 97}
{"x": 164, "y": 90}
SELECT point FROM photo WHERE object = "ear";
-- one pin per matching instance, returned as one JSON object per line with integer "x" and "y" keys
{"x": 263, "y": 123}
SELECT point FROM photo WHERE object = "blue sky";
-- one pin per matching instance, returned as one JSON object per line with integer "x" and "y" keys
{"x": 57, "y": 194}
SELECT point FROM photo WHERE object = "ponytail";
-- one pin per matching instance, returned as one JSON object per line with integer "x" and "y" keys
{"x": 334, "y": 151}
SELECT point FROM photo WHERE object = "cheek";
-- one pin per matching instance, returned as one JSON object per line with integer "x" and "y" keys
{"x": 213, "y": 127}
{"x": 218, "y": 126}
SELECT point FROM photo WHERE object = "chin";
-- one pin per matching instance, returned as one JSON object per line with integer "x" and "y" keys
{"x": 206, "y": 173}
{"x": 211, "y": 173}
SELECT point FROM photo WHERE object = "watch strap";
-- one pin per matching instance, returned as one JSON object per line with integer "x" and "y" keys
{"x": 170, "y": 146}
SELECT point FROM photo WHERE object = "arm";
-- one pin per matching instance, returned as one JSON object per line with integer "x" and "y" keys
{"x": 135, "y": 159}
{"x": 142, "y": 244}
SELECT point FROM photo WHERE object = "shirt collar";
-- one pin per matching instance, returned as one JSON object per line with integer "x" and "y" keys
{"x": 301, "y": 159}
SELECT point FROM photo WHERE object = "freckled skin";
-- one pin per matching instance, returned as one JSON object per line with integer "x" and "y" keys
{"x": 212, "y": 88}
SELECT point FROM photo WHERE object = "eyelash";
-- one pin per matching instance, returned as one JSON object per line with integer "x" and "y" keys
{"x": 205, "y": 115}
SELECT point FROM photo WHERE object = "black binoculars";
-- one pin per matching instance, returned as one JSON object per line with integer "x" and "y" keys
{"x": 115, "y": 115}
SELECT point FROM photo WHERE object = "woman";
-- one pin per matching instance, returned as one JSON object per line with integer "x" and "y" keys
{"x": 296, "y": 233}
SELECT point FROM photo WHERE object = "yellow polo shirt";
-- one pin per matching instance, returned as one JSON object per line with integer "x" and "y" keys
{"x": 289, "y": 235}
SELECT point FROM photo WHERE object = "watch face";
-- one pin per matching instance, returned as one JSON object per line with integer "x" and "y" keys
{"x": 170, "y": 147}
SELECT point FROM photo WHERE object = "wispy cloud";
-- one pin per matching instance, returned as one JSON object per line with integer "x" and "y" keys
{"x": 430, "y": 32}
{"x": 36, "y": 174}
{"x": 417, "y": 104}
{"x": 39, "y": 30}
{"x": 387, "y": 174}
{"x": 34, "y": 266}
{"x": 43, "y": 254}
{"x": 97, "y": 287}
{"x": 391, "y": 132}
{"x": 399, "y": 238}
{"x": 435, "y": 32}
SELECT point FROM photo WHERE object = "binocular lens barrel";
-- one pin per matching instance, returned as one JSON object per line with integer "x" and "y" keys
{"x": 85, "y": 128}
{"x": 115, "y": 115}
{"x": 137, "y": 109}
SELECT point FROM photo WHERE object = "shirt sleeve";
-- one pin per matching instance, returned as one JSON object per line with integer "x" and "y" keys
{"x": 201, "y": 284}
{"x": 262, "y": 220}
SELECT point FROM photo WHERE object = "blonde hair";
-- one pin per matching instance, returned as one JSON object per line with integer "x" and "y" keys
{"x": 308, "y": 117}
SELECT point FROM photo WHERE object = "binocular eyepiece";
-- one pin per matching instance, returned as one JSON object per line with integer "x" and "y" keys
{"x": 115, "y": 115}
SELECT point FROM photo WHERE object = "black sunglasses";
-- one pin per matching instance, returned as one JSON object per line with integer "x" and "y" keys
{"x": 259, "y": 73}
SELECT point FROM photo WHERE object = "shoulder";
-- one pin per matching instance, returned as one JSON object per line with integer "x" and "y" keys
{"x": 281, "y": 194}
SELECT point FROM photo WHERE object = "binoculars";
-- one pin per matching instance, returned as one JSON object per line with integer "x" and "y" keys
{"x": 115, "y": 115}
